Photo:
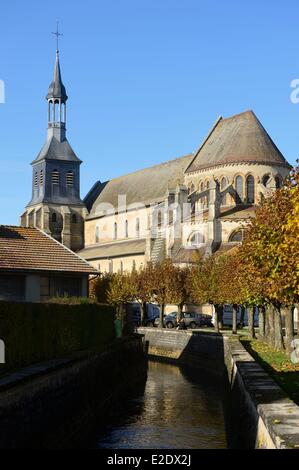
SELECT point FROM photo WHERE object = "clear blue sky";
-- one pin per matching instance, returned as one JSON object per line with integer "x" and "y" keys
{"x": 146, "y": 79}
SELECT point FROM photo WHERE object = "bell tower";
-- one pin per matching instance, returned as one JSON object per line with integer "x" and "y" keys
{"x": 56, "y": 206}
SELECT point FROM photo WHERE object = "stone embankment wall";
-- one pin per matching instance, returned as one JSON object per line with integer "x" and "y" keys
{"x": 258, "y": 412}
{"x": 50, "y": 405}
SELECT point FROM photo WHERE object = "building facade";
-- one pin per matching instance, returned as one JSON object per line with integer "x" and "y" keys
{"x": 196, "y": 203}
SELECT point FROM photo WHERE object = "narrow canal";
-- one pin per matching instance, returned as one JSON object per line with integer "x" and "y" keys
{"x": 180, "y": 407}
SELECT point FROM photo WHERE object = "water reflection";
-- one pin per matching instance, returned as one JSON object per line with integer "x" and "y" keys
{"x": 179, "y": 408}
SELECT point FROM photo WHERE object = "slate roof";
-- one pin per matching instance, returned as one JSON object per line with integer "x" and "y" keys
{"x": 29, "y": 249}
{"x": 238, "y": 212}
{"x": 144, "y": 186}
{"x": 57, "y": 88}
{"x": 55, "y": 150}
{"x": 238, "y": 139}
{"x": 111, "y": 250}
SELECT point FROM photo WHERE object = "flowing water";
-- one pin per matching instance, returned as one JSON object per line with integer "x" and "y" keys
{"x": 180, "y": 407}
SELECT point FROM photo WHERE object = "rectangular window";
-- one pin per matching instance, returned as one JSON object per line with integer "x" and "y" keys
{"x": 65, "y": 287}
{"x": 12, "y": 288}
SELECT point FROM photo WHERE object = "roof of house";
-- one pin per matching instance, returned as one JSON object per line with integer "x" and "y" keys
{"x": 238, "y": 139}
{"x": 144, "y": 186}
{"x": 115, "y": 249}
{"x": 29, "y": 249}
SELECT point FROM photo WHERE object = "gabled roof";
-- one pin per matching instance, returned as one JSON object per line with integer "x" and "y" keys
{"x": 29, "y": 249}
{"x": 55, "y": 150}
{"x": 238, "y": 139}
{"x": 144, "y": 186}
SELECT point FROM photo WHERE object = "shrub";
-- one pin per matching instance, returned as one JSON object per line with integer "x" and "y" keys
{"x": 38, "y": 332}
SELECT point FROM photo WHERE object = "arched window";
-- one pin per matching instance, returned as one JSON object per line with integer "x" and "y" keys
{"x": 126, "y": 229}
{"x": 201, "y": 186}
{"x": 250, "y": 189}
{"x": 74, "y": 218}
{"x": 97, "y": 234}
{"x": 223, "y": 186}
{"x": 265, "y": 180}
{"x": 115, "y": 231}
{"x": 208, "y": 195}
{"x": 54, "y": 217}
{"x": 133, "y": 265}
{"x": 111, "y": 266}
{"x": 121, "y": 267}
{"x": 196, "y": 239}
{"x": 99, "y": 267}
{"x": 239, "y": 189}
{"x": 35, "y": 179}
{"x": 278, "y": 182}
{"x": 70, "y": 179}
{"x": 55, "y": 177}
{"x": 41, "y": 177}
{"x": 192, "y": 188}
{"x": 137, "y": 228}
{"x": 160, "y": 218}
{"x": 236, "y": 236}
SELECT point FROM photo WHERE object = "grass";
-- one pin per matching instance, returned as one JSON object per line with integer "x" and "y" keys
{"x": 277, "y": 364}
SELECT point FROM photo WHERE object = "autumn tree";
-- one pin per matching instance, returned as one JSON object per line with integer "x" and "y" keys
{"x": 143, "y": 282}
{"x": 181, "y": 287}
{"x": 120, "y": 292}
{"x": 164, "y": 292}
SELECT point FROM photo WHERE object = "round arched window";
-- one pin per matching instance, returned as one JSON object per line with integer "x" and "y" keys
{"x": 239, "y": 189}
{"x": 250, "y": 189}
{"x": 236, "y": 236}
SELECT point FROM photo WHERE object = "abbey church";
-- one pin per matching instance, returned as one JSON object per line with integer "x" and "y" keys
{"x": 198, "y": 202}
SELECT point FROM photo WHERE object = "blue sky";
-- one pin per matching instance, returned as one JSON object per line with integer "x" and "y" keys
{"x": 146, "y": 80}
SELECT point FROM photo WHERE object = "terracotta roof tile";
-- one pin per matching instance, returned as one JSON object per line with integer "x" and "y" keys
{"x": 29, "y": 249}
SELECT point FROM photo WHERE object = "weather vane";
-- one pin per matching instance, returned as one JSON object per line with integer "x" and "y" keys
{"x": 58, "y": 35}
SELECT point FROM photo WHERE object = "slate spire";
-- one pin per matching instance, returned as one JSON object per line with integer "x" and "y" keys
{"x": 57, "y": 88}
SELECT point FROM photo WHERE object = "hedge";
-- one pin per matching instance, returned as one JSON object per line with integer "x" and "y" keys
{"x": 34, "y": 333}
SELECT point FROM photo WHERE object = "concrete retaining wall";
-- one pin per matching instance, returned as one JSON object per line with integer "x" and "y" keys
{"x": 51, "y": 405}
{"x": 186, "y": 347}
{"x": 260, "y": 415}
{"x": 258, "y": 412}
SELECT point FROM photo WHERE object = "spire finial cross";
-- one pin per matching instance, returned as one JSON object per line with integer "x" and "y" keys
{"x": 58, "y": 35}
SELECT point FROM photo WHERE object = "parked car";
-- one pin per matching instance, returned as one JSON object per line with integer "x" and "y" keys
{"x": 228, "y": 316}
{"x": 152, "y": 312}
{"x": 191, "y": 320}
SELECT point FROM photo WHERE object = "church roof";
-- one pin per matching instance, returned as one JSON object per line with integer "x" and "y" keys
{"x": 144, "y": 186}
{"x": 111, "y": 250}
{"x": 29, "y": 249}
{"x": 238, "y": 139}
{"x": 57, "y": 88}
{"x": 56, "y": 150}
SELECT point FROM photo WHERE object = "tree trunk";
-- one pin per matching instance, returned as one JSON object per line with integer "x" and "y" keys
{"x": 289, "y": 327}
{"x": 242, "y": 317}
{"x": 143, "y": 313}
{"x": 234, "y": 325}
{"x": 216, "y": 323}
{"x": 180, "y": 312}
{"x": 162, "y": 310}
{"x": 251, "y": 330}
{"x": 278, "y": 341}
{"x": 270, "y": 334}
{"x": 262, "y": 322}
{"x": 219, "y": 309}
